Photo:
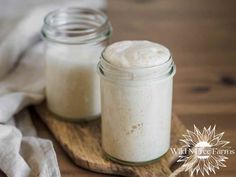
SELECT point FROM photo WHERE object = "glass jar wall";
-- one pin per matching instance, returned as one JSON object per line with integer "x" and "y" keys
{"x": 74, "y": 39}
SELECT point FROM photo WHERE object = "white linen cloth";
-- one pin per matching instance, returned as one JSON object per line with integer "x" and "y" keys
{"x": 22, "y": 153}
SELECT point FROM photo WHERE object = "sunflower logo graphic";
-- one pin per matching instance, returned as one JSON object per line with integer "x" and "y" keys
{"x": 204, "y": 151}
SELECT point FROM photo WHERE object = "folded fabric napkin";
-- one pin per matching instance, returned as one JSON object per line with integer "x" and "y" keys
{"x": 22, "y": 153}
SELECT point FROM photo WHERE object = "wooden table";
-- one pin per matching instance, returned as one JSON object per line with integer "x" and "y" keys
{"x": 202, "y": 38}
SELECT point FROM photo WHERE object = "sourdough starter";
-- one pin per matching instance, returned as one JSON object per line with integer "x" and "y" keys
{"x": 136, "y": 114}
{"x": 73, "y": 87}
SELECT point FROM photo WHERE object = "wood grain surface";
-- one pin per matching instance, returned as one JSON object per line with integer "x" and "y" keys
{"x": 202, "y": 37}
{"x": 82, "y": 142}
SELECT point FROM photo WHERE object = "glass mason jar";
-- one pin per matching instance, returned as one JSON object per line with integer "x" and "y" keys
{"x": 74, "y": 38}
{"x": 136, "y": 111}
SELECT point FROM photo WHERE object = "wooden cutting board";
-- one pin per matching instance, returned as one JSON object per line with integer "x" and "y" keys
{"x": 81, "y": 141}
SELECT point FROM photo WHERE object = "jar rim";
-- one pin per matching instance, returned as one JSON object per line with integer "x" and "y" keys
{"x": 76, "y": 25}
{"x": 157, "y": 72}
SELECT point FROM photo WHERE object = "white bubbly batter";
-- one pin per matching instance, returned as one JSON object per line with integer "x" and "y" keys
{"x": 136, "y": 118}
{"x": 133, "y": 54}
{"x": 73, "y": 86}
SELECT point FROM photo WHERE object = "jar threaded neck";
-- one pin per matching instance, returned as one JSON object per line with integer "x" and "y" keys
{"x": 76, "y": 25}
{"x": 158, "y": 72}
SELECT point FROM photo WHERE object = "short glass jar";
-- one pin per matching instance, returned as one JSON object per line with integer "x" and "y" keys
{"x": 74, "y": 38}
{"x": 136, "y": 111}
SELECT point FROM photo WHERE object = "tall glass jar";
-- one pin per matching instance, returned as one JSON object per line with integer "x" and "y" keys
{"x": 136, "y": 106}
{"x": 74, "y": 38}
